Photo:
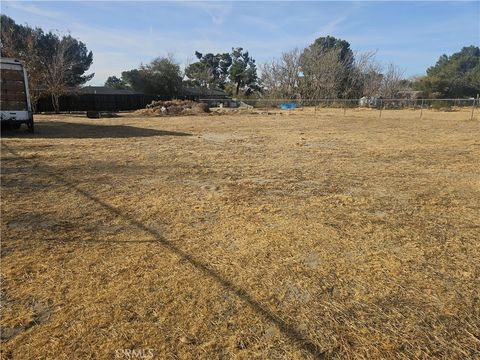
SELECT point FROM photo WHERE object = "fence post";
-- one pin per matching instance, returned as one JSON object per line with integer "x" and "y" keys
{"x": 344, "y": 107}
{"x": 421, "y": 109}
{"x": 315, "y": 103}
{"x": 381, "y": 106}
{"x": 473, "y": 108}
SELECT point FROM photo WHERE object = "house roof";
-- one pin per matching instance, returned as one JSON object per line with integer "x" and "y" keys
{"x": 186, "y": 91}
{"x": 202, "y": 91}
{"x": 103, "y": 90}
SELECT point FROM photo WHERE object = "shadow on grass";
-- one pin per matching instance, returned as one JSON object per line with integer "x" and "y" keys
{"x": 289, "y": 330}
{"x": 67, "y": 130}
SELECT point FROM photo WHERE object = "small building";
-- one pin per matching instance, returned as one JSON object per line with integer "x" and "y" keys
{"x": 367, "y": 101}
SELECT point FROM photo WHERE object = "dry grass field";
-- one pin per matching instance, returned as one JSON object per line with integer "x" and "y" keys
{"x": 286, "y": 235}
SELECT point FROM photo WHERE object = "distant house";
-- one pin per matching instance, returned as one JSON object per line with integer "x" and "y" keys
{"x": 213, "y": 97}
{"x": 197, "y": 93}
{"x": 97, "y": 98}
{"x": 367, "y": 101}
{"x": 410, "y": 94}
{"x": 103, "y": 90}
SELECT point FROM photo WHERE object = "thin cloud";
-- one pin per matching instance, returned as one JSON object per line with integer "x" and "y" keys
{"x": 132, "y": 32}
{"x": 331, "y": 26}
{"x": 218, "y": 11}
{"x": 260, "y": 22}
{"x": 33, "y": 9}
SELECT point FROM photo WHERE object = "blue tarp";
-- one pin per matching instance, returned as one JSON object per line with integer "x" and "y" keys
{"x": 286, "y": 106}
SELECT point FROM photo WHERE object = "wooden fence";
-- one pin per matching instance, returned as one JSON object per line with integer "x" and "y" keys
{"x": 96, "y": 102}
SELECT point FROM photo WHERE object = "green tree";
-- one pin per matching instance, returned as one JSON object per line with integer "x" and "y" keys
{"x": 114, "y": 82}
{"x": 345, "y": 54}
{"x": 233, "y": 72}
{"x": 210, "y": 70}
{"x": 52, "y": 61}
{"x": 79, "y": 61}
{"x": 65, "y": 60}
{"x": 135, "y": 79}
{"x": 22, "y": 42}
{"x": 165, "y": 77}
{"x": 456, "y": 76}
{"x": 328, "y": 66}
{"x": 243, "y": 72}
{"x": 160, "y": 77}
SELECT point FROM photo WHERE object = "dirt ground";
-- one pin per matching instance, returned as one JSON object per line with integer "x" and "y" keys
{"x": 289, "y": 235}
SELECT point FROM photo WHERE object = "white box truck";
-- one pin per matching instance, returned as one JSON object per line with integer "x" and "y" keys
{"x": 15, "y": 105}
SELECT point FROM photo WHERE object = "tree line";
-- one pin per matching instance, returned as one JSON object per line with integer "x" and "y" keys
{"x": 454, "y": 76}
{"x": 234, "y": 72}
{"x": 327, "y": 68}
{"x": 55, "y": 63}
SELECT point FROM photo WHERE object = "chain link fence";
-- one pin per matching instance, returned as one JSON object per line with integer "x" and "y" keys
{"x": 375, "y": 105}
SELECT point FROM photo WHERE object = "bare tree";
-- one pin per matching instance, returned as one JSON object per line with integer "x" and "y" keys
{"x": 391, "y": 82}
{"x": 57, "y": 73}
{"x": 372, "y": 83}
{"x": 271, "y": 79}
{"x": 365, "y": 79}
{"x": 290, "y": 72}
{"x": 280, "y": 77}
{"x": 52, "y": 62}
{"x": 323, "y": 72}
{"x": 34, "y": 68}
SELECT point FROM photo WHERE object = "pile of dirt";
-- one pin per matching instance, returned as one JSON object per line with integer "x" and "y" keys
{"x": 173, "y": 107}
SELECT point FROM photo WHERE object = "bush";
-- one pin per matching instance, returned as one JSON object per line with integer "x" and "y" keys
{"x": 441, "y": 105}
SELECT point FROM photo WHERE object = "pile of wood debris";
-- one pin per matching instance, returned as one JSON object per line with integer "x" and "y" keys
{"x": 173, "y": 107}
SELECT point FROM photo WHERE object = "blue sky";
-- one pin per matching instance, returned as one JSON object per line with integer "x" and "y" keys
{"x": 124, "y": 34}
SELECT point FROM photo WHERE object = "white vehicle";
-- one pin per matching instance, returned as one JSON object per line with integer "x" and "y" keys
{"x": 15, "y": 105}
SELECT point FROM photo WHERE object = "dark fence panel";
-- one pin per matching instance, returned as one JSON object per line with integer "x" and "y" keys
{"x": 96, "y": 102}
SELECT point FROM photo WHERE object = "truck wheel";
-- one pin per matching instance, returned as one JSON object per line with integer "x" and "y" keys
{"x": 30, "y": 126}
